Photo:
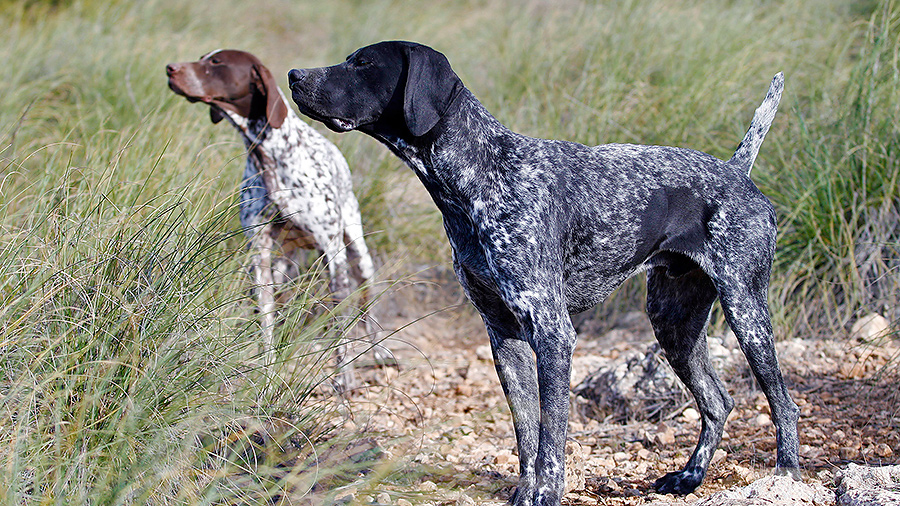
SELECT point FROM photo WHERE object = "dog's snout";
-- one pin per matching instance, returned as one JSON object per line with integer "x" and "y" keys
{"x": 171, "y": 69}
{"x": 295, "y": 75}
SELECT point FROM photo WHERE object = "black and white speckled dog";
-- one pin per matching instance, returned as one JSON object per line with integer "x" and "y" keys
{"x": 296, "y": 192}
{"x": 541, "y": 229}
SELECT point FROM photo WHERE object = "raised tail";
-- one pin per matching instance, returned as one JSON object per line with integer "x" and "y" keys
{"x": 746, "y": 151}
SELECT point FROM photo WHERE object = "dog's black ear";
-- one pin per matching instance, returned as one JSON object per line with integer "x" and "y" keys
{"x": 431, "y": 85}
{"x": 215, "y": 115}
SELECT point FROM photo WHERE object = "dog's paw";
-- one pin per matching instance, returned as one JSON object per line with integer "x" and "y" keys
{"x": 793, "y": 472}
{"x": 344, "y": 381}
{"x": 680, "y": 483}
{"x": 384, "y": 358}
{"x": 522, "y": 496}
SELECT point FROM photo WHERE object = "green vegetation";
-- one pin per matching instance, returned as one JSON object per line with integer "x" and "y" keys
{"x": 127, "y": 336}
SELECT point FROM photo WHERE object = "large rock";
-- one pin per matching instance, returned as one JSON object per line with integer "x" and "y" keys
{"x": 869, "y": 486}
{"x": 638, "y": 385}
{"x": 772, "y": 490}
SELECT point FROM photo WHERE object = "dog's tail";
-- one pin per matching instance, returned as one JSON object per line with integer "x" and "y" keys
{"x": 746, "y": 151}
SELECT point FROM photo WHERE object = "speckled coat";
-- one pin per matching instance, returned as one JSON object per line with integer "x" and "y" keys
{"x": 541, "y": 229}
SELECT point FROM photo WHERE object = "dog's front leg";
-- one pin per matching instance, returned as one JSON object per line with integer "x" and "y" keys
{"x": 553, "y": 340}
{"x": 547, "y": 329}
{"x": 264, "y": 243}
{"x": 514, "y": 361}
{"x": 515, "y": 368}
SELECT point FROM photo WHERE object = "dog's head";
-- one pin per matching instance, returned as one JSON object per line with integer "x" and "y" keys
{"x": 229, "y": 80}
{"x": 386, "y": 88}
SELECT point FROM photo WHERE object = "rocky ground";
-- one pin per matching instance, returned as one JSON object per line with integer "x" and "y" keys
{"x": 444, "y": 422}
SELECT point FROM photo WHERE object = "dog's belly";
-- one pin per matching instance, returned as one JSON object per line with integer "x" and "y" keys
{"x": 590, "y": 285}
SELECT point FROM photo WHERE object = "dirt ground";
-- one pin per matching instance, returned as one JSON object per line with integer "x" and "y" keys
{"x": 444, "y": 421}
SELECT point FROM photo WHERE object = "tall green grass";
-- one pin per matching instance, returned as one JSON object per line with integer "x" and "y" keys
{"x": 128, "y": 367}
{"x": 839, "y": 192}
{"x": 129, "y": 351}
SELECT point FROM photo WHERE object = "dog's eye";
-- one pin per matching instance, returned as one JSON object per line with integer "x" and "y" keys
{"x": 215, "y": 61}
{"x": 362, "y": 61}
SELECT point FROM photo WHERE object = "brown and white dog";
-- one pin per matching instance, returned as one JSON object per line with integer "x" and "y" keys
{"x": 296, "y": 191}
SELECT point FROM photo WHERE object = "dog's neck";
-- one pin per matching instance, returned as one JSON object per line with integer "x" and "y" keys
{"x": 258, "y": 134}
{"x": 267, "y": 149}
{"x": 453, "y": 153}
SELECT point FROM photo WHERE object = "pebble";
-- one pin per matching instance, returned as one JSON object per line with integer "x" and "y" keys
{"x": 870, "y": 327}
{"x": 690, "y": 415}
{"x": 665, "y": 435}
{"x": 483, "y": 352}
{"x": 719, "y": 456}
{"x": 884, "y": 451}
{"x": 506, "y": 458}
{"x": 620, "y": 457}
{"x": 848, "y": 453}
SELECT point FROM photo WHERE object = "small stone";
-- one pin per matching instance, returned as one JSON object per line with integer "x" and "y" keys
{"x": 665, "y": 435}
{"x": 884, "y": 451}
{"x": 690, "y": 415}
{"x": 403, "y": 502}
{"x": 506, "y": 458}
{"x": 612, "y": 485}
{"x": 870, "y": 327}
{"x": 719, "y": 456}
{"x": 763, "y": 420}
{"x": 848, "y": 453}
{"x": 483, "y": 352}
{"x": 383, "y": 498}
{"x": 345, "y": 496}
{"x": 575, "y": 475}
{"x": 463, "y": 390}
{"x": 428, "y": 486}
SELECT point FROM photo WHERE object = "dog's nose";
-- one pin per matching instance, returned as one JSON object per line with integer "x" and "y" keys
{"x": 171, "y": 69}
{"x": 295, "y": 75}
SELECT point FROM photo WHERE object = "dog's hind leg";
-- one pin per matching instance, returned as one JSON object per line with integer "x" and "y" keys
{"x": 678, "y": 308}
{"x": 362, "y": 269}
{"x": 744, "y": 304}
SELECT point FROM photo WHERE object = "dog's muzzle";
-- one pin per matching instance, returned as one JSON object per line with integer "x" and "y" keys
{"x": 302, "y": 83}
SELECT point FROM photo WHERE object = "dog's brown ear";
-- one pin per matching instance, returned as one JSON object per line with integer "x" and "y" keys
{"x": 276, "y": 110}
{"x": 431, "y": 85}
{"x": 215, "y": 115}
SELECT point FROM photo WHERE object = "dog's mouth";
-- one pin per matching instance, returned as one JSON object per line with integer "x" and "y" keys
{"x": 339, "y": 125}
{"x": 173, "y": 85}
{"x": 343, "y": 124}
{"x": 178, "y": 90}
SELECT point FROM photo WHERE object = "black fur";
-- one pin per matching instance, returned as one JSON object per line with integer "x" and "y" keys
{"x": 541, "y": 229}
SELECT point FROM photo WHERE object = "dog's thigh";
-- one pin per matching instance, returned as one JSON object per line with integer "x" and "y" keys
{"x": 678, "y": 308}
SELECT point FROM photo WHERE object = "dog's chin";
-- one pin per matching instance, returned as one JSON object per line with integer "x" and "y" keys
{"x": 178, "y": 91}
{"x": 338, "y": 125}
